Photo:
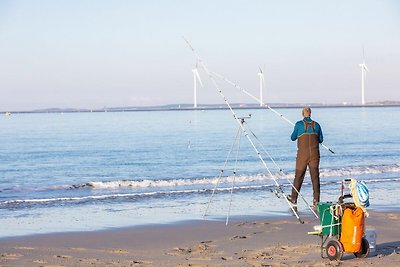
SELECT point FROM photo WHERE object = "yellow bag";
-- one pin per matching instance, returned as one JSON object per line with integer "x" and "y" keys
{"x": 352, "y": 229}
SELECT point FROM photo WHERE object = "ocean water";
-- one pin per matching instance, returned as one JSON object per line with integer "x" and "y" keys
{"x": 90, "y": 171}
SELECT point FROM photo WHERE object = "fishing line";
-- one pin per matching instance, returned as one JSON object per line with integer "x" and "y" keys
{"x": 221, "y": 172}
{"x": 242, "y": 127}
{"x": 258, "y": 100}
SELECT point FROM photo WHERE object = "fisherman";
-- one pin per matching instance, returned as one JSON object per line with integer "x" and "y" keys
{"x": 309, "y": 135}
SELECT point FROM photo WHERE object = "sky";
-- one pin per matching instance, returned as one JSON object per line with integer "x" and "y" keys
{"x": 95, "y": 54}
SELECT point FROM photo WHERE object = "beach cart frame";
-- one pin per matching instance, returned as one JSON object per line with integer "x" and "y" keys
{"x": 330, "y": 215}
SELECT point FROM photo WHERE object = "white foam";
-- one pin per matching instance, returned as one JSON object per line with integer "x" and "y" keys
{"x": 176, "y": 182}
{"x": 242, "y": 179}
{"x": 109, "y": 196}
{"x": 187, "y": 186}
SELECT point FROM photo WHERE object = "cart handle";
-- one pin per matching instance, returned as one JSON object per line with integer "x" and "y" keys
{"x": 341, "y": 198}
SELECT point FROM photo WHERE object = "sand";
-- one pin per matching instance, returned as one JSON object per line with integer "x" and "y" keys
{"x": 253, "y": 242}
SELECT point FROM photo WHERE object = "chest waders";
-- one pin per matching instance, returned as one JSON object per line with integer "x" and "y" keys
{"x": 307, "y": 155}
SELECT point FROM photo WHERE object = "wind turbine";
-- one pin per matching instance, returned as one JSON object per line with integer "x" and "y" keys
{"x": 196, "y": 77}
{"x": 364, "y": 70}
{"x": 262, "y": 83}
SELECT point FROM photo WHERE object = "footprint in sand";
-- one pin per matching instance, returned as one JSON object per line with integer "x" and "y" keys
{"x": 90, "y": 261}
{"x": 238, "y": 237}
{"x": 119, "y": 251}
{"x": 201, "y": 249}
{"x": 64, "y": 257}
{"x": 259, "y": 232}
{"x": 263, "y": 255}
{"x": 142, "y": 263}
{"x": 40, "y": 261}
{"x": 179, "y": 251}
{"x": 10, "y": 256}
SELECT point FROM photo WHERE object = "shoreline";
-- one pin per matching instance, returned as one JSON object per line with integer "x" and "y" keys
{"x": 255, "y": 241}
{"x": 269, "y": 216}
{"x": 138, "y": 227}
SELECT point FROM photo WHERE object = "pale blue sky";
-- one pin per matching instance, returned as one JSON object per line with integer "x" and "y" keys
{"x": 91, "y": 54}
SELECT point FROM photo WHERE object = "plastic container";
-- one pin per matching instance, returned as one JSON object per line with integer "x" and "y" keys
{"x": 330, "y": 225}
{"x": 370, "y": 235}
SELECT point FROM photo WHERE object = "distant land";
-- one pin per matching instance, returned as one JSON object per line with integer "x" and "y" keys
{"x": 206, "y": 107}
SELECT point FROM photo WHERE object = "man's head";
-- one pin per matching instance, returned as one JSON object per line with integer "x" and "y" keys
{"x": 306, "y": 112}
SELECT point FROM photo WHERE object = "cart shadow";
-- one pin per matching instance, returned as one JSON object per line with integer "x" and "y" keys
{"x": 383, "y": 249}
{"x": 388, "y": 248}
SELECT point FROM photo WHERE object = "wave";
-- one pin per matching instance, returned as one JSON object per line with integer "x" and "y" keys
{"x": 147, "y": 183}
{"x": 162, "y": 183}
{"x": 360, "y": 170}
{"x": 139, "y": 189}
{"x": 132, "y": 195}
{"x": 142, "y": 195}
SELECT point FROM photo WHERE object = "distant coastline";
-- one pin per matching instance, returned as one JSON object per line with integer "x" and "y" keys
{"x": 206, "y": 107}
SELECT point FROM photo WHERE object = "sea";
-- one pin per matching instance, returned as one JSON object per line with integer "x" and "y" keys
{"x": 87, "y": 171}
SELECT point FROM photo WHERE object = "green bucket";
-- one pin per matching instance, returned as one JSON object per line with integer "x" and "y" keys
{"x": 330, "y": 225}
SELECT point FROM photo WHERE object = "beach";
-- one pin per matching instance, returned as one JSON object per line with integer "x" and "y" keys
{"x": 257, "y": 241}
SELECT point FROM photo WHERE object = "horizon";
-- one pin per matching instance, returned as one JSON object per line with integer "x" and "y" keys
{"x": 84, "y": 54}
{"x": 201, "y": 106}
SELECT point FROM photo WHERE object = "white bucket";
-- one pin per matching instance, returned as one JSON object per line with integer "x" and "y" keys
{"x": 370, "y": 235}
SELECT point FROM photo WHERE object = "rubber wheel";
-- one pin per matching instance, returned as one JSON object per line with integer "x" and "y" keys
{"x": 364, "y": 249}
{"x": 334, "y": 250}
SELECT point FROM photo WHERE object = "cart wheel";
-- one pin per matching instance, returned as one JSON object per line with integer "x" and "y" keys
{"x": 364, "y": 249}
{"x": 334, "y": 250}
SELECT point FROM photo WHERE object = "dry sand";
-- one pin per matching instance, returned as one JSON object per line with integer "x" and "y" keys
{"x": 257, "y": 242}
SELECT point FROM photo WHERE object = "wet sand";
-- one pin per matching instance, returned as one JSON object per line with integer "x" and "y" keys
{"x": 253, "y": 242}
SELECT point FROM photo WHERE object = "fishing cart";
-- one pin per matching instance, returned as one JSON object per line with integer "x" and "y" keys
{"x": 343, "y": 223}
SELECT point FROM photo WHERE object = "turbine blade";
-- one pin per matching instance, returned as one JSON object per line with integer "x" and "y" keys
{"x": 198, "y": 77}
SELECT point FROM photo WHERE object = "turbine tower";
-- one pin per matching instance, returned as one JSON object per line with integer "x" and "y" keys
{"x": 364, "y": 70}
{"x": 196, "y": 77}
{"x": 262, "y": 83}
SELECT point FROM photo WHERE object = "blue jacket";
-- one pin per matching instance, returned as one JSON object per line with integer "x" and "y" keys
{"x": 299, "y": 130}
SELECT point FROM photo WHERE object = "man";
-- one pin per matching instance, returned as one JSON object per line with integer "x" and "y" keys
{"x": 309, "y": 135}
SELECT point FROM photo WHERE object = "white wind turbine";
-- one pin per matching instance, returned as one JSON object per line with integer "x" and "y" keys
{"x": 364, "y": 70}
{"x": 196, "y": 77}
{"x": 262, "y": 84}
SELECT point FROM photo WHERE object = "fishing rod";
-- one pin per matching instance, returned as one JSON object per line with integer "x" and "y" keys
{"x": 238, "y": 120}
{"x": 234, "y": 176}
{"x": 264, "y": 104}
